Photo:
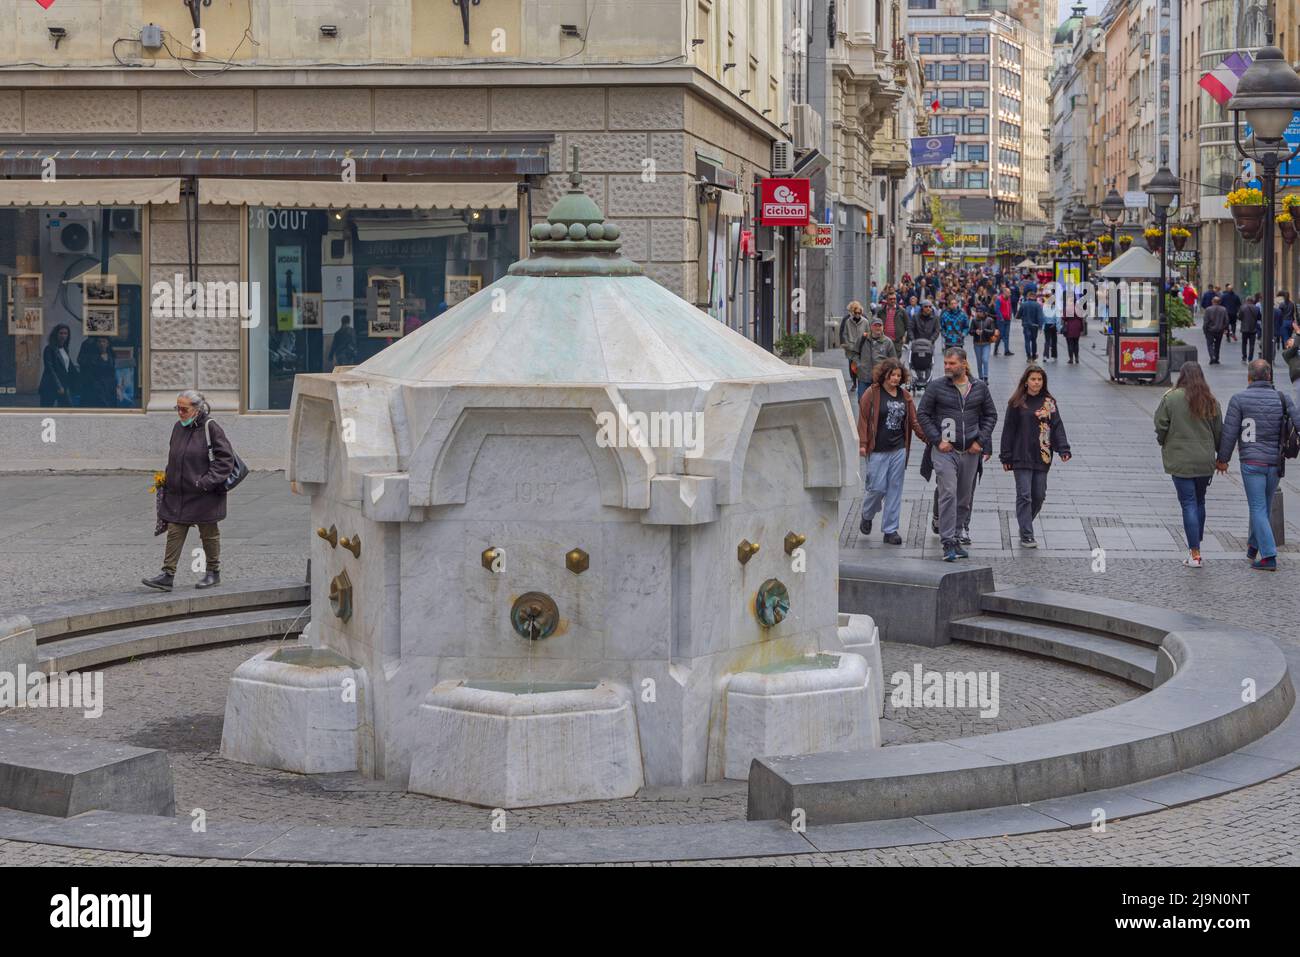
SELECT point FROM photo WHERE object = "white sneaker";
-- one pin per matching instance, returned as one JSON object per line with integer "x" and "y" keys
{"x": 1192, "y": 561}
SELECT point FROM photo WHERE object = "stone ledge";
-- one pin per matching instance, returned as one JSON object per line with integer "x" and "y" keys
{"x": 1197, "y": 715}
{"x": 910, "y": 599}
{"x": 84, "y": 614}
{"x": 64, "y": 776}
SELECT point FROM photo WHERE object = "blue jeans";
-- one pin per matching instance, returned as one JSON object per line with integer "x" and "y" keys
{"x": 982, "y": 358}
{"x": 1031, "y": 341}
{"x": 864, "y": 383}
{"x": 1191, "y": 496}
{"x": 885, "y": 471}
{"x": 1003, "y": 343}
{"x": 1261, "y": 483}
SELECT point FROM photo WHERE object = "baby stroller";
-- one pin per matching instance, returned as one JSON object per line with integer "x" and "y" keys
{"x": 921, "y": 360}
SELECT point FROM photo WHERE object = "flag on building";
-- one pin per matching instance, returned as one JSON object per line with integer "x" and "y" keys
{"x": 934, "y": 105}
{"x": 46, "y": 3}
{"x": 1221, "y": 82}
{"x": 938, "y": 236}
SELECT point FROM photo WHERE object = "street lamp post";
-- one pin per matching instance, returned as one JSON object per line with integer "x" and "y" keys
{"x": 1162, "y": 193}
{"x": 1269, "y": 95}
{"x": 1112, "y": 213}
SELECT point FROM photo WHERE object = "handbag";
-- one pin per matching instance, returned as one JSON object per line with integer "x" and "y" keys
{"x": 1288, "y": 437}
{"x": 239, "y": 472}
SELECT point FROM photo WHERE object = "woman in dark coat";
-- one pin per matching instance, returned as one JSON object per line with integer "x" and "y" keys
{"x": 194, "y": 492}
{"x": 98, "y": 373}
{"x": 1031, "y": 432}
{"x": 59, "y": 372}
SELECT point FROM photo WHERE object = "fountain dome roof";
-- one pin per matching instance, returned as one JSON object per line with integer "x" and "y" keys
{"x": 576, "y": 312}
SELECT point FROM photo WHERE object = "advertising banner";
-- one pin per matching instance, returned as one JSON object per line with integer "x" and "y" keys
{"x": 1138, "y": 355}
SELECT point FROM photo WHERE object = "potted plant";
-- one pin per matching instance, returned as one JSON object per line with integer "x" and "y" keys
{"x": 1180, "y": 236}
{"x": 1286, "y": 225}
{"x": 1125, "y": 241}
{"x": 1090, "y": 247}
{"x": 1286, "y": 220}
{"x": 1155, "y": 239}
{"x": 796, "y": 348}
{"x": 1247, "y": 207}
{"x": 1105, "y": 241}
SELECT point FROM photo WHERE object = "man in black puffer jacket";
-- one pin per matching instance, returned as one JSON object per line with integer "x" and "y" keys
{"x": 958, "y": 415}
{"x": 1254, "y": 419}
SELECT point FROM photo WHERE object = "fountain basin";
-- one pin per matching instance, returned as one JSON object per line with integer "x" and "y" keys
{"x": 297, "y": 708}
{"x": 817, "y": 702}
{"x": 525, "y": 744}
{"x": 860, "y": 635}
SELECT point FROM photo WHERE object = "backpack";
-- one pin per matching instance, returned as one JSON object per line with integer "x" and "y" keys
{"x": 239, "y": 472}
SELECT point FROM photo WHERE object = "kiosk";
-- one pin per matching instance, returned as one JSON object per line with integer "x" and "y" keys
{"x": 1130, "y": 286}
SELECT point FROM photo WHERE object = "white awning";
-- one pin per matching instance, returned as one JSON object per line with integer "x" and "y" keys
{"x": 731, "y": 203}
{"x": 323, "y": 194}
{"x": 89, "y": 192}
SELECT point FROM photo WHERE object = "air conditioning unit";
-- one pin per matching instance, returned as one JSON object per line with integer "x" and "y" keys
{"x": 72, "y": 232}
{"x": 782, "y": 158}
{"x": 807, "y": 126}
{"x": 124, "y": 219}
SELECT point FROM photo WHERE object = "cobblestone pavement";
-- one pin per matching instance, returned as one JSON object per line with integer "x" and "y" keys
{"x": 176, "y": 702}
{"x": 92, "y": 534}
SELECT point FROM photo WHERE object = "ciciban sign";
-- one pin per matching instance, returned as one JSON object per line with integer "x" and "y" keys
{"x": 784, "y": 202}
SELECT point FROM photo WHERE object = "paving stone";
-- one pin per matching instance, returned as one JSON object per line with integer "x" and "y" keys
{"x": 991, "y": 822}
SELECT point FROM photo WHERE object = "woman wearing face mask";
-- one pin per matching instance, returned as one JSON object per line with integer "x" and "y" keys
{"x": 195, "y": 489}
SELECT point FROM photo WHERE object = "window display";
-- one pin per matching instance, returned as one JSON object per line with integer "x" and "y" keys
{"x": 337, "y": 286}
{"x": 71, "y": 307}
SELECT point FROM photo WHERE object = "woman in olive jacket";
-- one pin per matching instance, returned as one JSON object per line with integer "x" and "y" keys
{"x": 1189, "y": 425}
{"x": 195, "y": 490}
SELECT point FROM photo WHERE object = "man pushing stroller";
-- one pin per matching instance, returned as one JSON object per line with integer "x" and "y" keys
{"x": 922, "y": 331}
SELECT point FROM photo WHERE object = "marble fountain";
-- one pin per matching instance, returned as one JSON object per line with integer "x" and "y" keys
{"x": 575, "y": 538}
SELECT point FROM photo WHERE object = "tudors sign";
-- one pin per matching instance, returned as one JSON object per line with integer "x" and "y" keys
{"x": 784, "y": 202}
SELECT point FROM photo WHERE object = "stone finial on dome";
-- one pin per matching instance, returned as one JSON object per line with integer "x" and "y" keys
{"x": 575, "y": 239}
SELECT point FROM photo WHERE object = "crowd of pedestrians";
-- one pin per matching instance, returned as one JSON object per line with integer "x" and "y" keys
{"x": 955, "y": 416}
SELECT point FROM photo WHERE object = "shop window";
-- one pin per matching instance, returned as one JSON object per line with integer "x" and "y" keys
{"x": 338, "y": 286}
{"x": 71, "y": 307}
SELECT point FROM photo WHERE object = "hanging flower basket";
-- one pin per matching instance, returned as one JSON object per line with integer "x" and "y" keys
{"x": 1125, "y": 242}
{"x": 1250, "y": 222}
{"x": 1155, "y": 240}
{"x": 1105, "y": 241}
{"x": 1247, "y": 206}
{"x": 1179, "y": 237}
{"x": 1286, "y": 226}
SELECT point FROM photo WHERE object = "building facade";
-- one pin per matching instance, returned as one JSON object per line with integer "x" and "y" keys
{"x": 988, "y": 73}
{"x": 182, "y": 210}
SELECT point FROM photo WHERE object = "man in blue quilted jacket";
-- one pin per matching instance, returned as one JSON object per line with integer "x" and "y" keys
{"x": 1254, "y": 425}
